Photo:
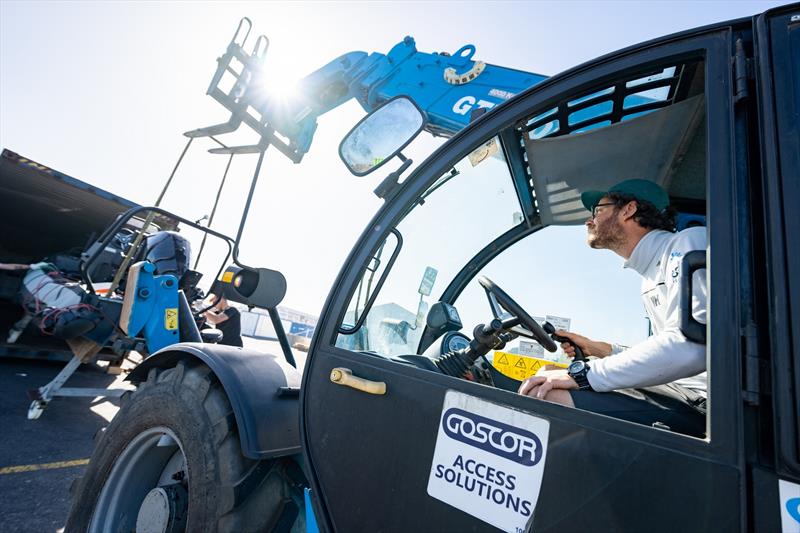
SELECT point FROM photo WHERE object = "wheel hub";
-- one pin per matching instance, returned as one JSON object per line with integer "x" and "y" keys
{"x": 163, "y": 510}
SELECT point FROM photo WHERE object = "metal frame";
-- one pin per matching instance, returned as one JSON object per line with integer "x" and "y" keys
{"x": 43, "y": 395}
{"x": 113, "y": 229}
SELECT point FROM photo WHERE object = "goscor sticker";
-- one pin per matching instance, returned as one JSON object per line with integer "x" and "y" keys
{"x": 489, "y": 460}
{"x": 790, "y": 506}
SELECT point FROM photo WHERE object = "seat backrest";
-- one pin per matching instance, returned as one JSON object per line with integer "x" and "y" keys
{"x": 130, "y": 296}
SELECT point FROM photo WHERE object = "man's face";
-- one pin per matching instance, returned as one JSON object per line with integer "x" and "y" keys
{"x": 603, "y": 228}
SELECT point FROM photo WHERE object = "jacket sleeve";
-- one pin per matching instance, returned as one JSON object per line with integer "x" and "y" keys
{"x": 668, "y": 355}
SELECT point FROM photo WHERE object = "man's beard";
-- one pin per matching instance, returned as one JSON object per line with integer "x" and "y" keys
{"x": 607, "y": 235}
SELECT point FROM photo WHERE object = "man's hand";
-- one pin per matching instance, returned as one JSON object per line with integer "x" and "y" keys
{"x": 14, "y": 266}
{"x": 544, "y": 381}
{"x": 589, "y": 347}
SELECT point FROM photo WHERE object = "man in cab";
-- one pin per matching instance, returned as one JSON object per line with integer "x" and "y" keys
{"x": 634, "y": 220}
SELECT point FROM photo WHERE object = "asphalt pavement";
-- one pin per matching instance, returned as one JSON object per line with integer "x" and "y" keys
{"x": 39, "y": 459}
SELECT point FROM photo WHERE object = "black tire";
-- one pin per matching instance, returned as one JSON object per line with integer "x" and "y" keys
{"x": 226, "y": 491}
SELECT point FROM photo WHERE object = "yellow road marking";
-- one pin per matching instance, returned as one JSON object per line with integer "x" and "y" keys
{"x": 43, "y": 466}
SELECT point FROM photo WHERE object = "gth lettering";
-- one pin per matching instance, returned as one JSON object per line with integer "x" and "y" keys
{"x": 465, "y": 104}
{"x": 512, "y": 443}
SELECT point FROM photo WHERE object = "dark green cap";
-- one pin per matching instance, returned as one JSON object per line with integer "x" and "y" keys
{"x": 638, "y": 188}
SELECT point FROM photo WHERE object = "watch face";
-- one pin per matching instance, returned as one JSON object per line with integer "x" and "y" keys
{"x": 575, "y": 367}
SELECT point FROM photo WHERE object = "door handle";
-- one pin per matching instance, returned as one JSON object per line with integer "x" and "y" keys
{"x": 344, "y": 376}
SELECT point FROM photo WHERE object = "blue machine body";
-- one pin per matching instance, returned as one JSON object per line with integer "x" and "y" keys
{"x": 154, "y": 312}
{"x": 446, "y": 97}
{"x": 446, "y": 87}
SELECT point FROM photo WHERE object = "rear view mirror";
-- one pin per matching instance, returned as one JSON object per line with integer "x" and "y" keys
{"x": 381, "y": 135}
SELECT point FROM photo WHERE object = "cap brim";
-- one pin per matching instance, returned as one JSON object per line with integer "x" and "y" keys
{"x": 591, "y": 198}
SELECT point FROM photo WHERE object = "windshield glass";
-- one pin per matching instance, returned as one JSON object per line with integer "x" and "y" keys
{"x": 460, "y": 214}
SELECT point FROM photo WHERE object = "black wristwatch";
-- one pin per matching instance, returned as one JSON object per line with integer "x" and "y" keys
{"x": 577, "y": 370}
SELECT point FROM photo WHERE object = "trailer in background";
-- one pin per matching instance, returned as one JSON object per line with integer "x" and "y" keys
{"x": 46, "y": 214}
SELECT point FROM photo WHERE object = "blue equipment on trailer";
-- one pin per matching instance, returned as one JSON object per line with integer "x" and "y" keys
{"x": 151, "y": 310}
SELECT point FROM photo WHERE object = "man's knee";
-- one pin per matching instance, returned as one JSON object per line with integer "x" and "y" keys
{"x": 560, "y": 396}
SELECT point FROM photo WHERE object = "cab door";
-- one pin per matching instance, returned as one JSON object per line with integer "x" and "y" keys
{"x": 397, "y": 452}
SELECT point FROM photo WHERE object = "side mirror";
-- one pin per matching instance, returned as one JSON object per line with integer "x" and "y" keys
{"x": 399, "y": 327}
{"x": 381, "y": 135}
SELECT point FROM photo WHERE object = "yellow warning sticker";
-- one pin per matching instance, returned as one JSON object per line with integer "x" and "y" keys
{"x": 519, "y": 367}
{"x": 171, "y": 318}
{"x": 227, "y": 276}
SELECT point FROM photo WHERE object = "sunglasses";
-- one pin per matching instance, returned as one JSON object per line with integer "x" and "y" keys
{"x": 594, "y": 208}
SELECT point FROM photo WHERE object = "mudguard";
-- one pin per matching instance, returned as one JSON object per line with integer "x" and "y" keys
{"x": 263, "y": 391}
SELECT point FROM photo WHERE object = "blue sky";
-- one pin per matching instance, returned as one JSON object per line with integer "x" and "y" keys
{"x": 103, "y": 90}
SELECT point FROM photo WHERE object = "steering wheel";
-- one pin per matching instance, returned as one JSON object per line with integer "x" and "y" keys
{"x": 499, "y": 300}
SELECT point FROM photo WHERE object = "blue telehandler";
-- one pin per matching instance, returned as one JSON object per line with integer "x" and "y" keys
{"x": 402, "y": 421}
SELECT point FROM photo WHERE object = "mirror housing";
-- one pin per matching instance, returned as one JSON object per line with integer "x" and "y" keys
{"x": 260, "y": 287}
{"x": 381, "y": 135}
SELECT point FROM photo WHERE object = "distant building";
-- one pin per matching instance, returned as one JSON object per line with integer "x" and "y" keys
{"x": 299, "y": 326}
{"x": 388, "y": 329}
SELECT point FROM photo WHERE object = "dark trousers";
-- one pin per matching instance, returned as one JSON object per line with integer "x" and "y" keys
{"x": 667, "y": 406}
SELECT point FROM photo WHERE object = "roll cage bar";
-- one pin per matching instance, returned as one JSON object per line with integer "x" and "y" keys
{"x": 113, "y": 229}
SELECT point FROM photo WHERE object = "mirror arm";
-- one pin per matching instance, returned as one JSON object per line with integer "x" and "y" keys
{"x": 389, "y": 184}
{"x": 281, "y": 334}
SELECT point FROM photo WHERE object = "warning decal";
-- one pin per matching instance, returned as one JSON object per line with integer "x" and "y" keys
{"x": 171, "y": 318}
{"x": 489, "y": 461}
{"x": 489, "y": 148}
{"x": 519, "y": 367}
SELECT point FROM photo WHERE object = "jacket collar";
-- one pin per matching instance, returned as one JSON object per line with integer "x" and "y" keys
{"x": 648, "y": 250}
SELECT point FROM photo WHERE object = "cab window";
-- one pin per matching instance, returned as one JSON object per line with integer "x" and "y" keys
{"x": 648, "y": 124}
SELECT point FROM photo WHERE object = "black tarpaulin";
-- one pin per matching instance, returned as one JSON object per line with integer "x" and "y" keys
{"x": 43, "y": 211}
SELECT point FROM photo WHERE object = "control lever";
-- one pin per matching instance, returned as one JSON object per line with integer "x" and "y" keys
{"x": 486, "y": 337}
{"x": 551, "y": 330}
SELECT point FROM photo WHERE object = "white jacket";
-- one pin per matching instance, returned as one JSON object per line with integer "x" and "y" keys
{"x": 667, "y": 355}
